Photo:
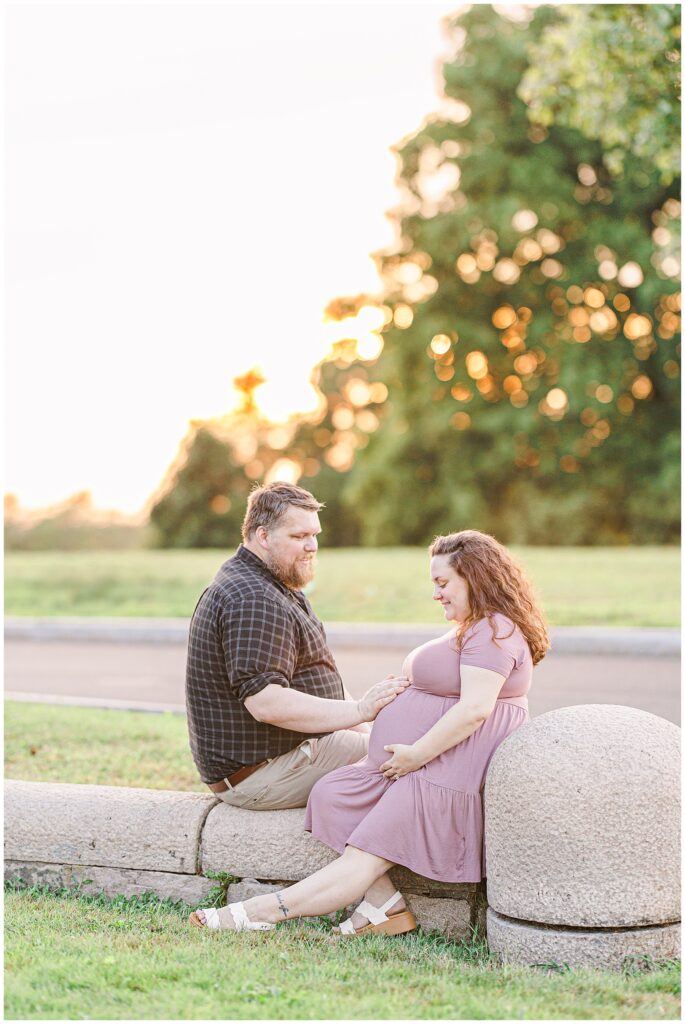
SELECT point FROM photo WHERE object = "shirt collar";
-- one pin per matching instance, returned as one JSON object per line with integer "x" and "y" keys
{"x": 249, "y": 558}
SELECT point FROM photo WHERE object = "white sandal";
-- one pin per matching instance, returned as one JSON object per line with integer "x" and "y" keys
{"x": 380, "y": 921}
{"x": 239, "y": 914}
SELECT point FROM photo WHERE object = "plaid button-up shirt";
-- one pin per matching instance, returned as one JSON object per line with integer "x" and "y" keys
{"x": 249, "y": 630}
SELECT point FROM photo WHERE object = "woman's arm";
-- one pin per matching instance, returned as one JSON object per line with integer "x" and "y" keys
{"x": 479, "y": 690}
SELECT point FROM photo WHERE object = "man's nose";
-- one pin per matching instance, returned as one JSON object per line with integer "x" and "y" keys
{"x": 311, "y": 544}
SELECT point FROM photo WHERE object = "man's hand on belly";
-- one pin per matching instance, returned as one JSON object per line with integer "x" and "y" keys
{"x": 380, "y": 695}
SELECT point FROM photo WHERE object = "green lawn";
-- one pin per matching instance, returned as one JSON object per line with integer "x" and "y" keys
{"x": 48, "y": 743}
{"x": 577, "y": 586}
{"x": 72, "y": 957}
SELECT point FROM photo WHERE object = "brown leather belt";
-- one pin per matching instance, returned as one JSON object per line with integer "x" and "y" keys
{"x": 233, "y": 780}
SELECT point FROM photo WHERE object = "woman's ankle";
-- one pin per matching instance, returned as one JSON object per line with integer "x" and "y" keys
{"x": 271, "y": 908}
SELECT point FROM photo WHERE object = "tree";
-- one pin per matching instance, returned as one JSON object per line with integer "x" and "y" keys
{"x": 205, "y": 503}
{"x": 528, "y": 383}
{"x": 613, "y": 72}
{"x": 201, "y": 502}
{"x": 532, "y": 357}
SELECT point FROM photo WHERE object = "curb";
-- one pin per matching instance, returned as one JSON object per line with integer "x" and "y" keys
{"x": 108, "y": 703}
{"x": 653, "y": 642}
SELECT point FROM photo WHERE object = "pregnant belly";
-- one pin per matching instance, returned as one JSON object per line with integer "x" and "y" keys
{"x": 405, "y": 720}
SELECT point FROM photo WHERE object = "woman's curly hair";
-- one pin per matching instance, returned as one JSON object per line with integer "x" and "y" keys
{"x": 496, "y": 584}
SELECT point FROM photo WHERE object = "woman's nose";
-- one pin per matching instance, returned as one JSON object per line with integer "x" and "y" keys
{"x": 436, "y": 594}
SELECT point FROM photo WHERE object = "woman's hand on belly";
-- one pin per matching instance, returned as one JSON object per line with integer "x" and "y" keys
{"x": 404, "y": 760}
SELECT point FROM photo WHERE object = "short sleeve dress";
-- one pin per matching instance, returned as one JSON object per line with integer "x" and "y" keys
{"x": 430, "y": 820}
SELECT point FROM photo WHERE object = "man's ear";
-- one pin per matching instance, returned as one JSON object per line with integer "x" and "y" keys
{"x": 262, "y": 537}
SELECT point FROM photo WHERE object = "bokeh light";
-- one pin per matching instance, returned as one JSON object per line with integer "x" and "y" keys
{"x": 642, "y": 387}
{"x": 506, "y": 272}
{"x": 286, "y": 470}
{"x": 461, "y": 393}
{"x": 524, "y": 220}
{"x": 630, "y": 275}
{"x": 476, "y": 365}
{"x": 440, "y": 344}
{"x": 557, "y": 399}
{"x": 461, "y": 421}
{"x": 504, "y": 317}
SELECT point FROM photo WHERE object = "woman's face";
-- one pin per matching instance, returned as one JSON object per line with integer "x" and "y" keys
{"x": 450, "y": 589}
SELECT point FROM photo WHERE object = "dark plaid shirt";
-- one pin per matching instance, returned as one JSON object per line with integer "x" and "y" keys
{"x": 249, "y": 630}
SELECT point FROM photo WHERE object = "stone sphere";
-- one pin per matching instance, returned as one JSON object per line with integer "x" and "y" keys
{"x": 582, "y": 819}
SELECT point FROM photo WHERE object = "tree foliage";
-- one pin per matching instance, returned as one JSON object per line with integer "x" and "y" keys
{"x": 532, "y": 360}
{"x": 613, "y": 72}
{"x": 529, "y": 380}
{"x": 205, "y": 502}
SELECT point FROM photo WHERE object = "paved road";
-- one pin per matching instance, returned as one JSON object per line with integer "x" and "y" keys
{"x": 154, "y": 674}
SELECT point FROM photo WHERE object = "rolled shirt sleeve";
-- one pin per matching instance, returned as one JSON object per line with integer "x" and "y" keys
{"x": 259, "y": 644}
{"x": 480, "y": 650}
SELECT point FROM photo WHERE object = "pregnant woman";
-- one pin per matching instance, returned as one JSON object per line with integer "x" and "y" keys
{"x": 416, "y": 799}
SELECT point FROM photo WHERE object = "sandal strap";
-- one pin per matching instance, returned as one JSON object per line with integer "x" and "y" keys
{"x": 347, "y": 928}
{"x": 212, "y": 918}
{"x": 377, "y": 915}
{"x": 244, "y": 924}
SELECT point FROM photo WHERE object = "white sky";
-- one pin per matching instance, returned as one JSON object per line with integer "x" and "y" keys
{"x": 186, "y": 189}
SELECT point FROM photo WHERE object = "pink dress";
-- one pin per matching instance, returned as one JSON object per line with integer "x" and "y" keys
{"x": 431, "y": 820}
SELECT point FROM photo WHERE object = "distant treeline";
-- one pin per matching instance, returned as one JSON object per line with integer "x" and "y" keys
{"x": 51, "y": 535}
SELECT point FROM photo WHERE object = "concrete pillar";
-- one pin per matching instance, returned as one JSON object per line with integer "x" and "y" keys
{"x": 582, "y": 838}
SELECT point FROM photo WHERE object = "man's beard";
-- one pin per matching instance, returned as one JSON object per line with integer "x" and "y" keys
{"x": 293, "y": 575}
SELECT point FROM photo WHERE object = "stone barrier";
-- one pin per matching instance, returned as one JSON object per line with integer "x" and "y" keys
{"x": 582, "y": 830}
{"x": 118, "y": 840}
{"x": 582, "y": 823}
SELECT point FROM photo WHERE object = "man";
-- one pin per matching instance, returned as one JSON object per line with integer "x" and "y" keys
{"x": 267, "y": 711}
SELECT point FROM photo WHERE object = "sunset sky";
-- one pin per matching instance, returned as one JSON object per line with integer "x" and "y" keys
{"x": 187, "y": 188}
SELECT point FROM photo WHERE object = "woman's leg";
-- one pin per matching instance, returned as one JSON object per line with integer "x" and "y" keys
{"x": 377, "y": 894}
{"x": 338, "y": 884}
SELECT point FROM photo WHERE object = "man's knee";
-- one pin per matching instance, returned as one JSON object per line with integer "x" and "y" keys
{"x": 341, "y": 748}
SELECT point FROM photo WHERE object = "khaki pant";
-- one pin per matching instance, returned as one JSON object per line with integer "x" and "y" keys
{"x": 287, "y": 781}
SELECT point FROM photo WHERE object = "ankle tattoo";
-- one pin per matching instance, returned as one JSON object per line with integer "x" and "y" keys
{"x": 281, "y": 904}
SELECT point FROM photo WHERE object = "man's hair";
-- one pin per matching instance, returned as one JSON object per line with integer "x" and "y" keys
{"x": 268, "y": 505}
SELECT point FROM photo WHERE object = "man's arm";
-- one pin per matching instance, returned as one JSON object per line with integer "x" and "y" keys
{"x": 260, "y": 656}
{"x": 302, "y": 712}
{"x": 363, "y": 727}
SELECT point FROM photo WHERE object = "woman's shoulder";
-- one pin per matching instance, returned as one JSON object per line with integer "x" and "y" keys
{"x": 505, "y": 629}
{"x": 504, "y": 626}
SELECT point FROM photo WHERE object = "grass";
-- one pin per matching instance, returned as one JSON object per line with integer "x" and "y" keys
{"x": 635, "y": 586}
{"x": 46, "y": 743}
{"x": 73, "y": 957}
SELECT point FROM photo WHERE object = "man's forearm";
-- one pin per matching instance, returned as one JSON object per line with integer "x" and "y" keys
{"x": 302, "y": 712}
{"x": 363, "y": 727}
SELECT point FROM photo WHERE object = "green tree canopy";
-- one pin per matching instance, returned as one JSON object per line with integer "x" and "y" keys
{"x": 532, "y": 358}
{"x": 204, "y": 503}
{"x": 529, "y": 379}
{"x": 613, "y": 72}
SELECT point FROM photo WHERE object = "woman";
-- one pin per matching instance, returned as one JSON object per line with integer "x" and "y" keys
{"x": 416, "y": 798}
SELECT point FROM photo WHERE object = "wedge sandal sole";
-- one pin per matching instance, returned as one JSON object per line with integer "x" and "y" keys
{"x": 397, "y": 924}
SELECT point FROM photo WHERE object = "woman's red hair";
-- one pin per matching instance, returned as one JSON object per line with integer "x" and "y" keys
{"x": 496, "y": 584}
